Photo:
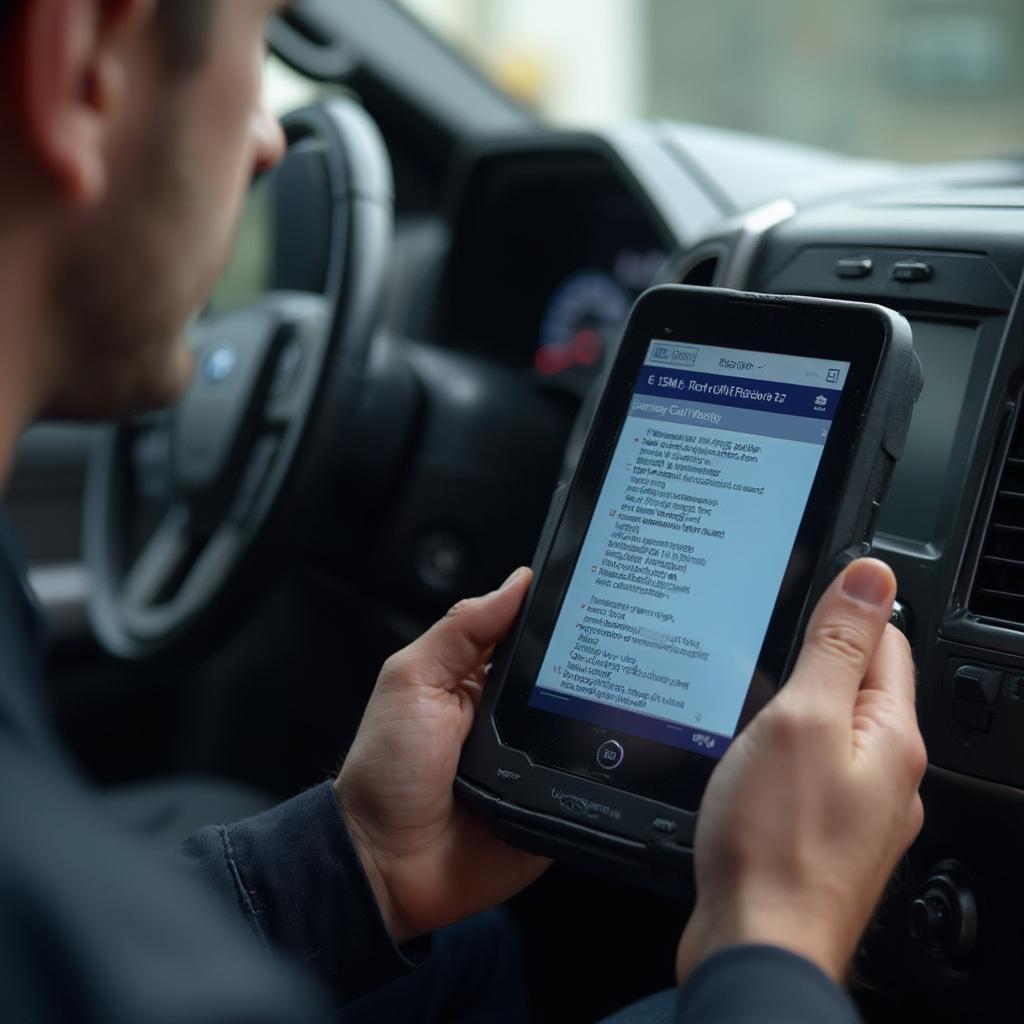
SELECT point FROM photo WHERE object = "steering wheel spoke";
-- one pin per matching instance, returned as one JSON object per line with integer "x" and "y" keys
{"x": 163, "y": 563}
{"x": 254, "y": 482}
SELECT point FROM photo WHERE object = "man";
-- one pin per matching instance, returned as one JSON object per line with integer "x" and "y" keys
{"x": 129, "y": 131}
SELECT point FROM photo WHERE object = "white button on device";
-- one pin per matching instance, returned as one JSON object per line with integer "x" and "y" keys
{"x": 610, "y": 755}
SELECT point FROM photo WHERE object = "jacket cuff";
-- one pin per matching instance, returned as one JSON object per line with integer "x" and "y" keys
{"x": 301, "y": 883}
{"x": 763, "y": 984}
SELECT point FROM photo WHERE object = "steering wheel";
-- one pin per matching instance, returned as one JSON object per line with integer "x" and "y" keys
{"x": 401, "y": 473}
{"x": 252, "y": 445}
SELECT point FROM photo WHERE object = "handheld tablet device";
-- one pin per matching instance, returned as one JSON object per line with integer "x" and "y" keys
{"x": 736, "y": 461}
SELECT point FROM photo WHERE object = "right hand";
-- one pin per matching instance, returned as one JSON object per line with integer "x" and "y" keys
{"x": 806, "y": 816}
{"x": 429, "y": 858}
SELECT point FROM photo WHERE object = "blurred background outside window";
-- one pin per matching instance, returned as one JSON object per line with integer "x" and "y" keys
{"x": 902, "y": 79}
{"x": 898, "y": 79}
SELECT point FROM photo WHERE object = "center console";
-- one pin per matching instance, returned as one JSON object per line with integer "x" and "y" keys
{"x": 952, "y": 527}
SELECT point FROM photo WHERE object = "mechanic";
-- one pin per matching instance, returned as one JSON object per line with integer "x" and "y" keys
{"x": 130, "y": 130}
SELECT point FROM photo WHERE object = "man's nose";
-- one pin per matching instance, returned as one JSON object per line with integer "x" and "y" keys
{"x": 270, "y": 141}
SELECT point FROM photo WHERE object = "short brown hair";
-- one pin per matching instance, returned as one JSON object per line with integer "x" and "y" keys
{"x": 184, "y": 25}
{"x": 7, "y": 8}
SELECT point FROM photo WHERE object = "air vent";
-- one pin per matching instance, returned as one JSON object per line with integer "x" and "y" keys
{"x": 998, "y": 591}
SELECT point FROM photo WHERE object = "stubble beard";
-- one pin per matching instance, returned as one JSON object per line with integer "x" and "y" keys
{"x": 126, "y": 288}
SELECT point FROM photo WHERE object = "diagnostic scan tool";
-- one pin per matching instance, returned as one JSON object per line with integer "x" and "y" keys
{"x": 735, "y": 464}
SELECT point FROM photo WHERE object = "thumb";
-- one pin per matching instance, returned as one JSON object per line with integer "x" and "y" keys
{"x": 843, "y": 633}
{"x": 462, "y": 641}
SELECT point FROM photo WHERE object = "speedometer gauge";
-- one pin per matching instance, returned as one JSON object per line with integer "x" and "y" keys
{"x": 584, "y": 311}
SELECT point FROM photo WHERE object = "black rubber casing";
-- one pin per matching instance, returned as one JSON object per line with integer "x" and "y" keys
{"x": 581, "y": 820}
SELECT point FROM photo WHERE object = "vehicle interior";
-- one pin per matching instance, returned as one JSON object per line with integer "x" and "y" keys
{"x": 399, "y": 367}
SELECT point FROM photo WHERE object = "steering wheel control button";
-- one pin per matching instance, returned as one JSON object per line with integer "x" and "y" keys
{"x": 970, "y": 716}
{"x": 610, "y": 755}
{"x": 912, "y": 271}
{"x": 219, "y": 365}
{"x": 854, "y": 267}
{"x": 666, "y": 826}
{"x": 977, "y": 684}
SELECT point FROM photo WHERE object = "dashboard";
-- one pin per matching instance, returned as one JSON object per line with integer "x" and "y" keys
{"x": 550, "y": 245}
{"x": 550, "y": 252}
{"x": 542, "y": 244}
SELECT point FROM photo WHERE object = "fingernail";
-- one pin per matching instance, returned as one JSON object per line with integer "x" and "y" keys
{"x": 867, "y": 582}
{"x": 508, "y": 583}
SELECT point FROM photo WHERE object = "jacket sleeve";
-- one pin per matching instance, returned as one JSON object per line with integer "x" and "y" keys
{"x": 97, "y": 927}
{"x": 762, "y": 985}
{"x": 295, "y": 876}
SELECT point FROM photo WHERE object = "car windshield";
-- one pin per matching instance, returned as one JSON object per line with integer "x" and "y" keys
{"x": 898, "y": 79}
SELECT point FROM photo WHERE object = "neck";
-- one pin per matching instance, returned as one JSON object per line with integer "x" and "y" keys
{"x": 24, "y": 340}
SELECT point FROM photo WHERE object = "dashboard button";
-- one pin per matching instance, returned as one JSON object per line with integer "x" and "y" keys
{"x": 666, "y": 826}
{"x": 976, "y": 684}
{"x": 900, "y": 617}
{"x": 944, "y": 916}
{"x": 912, "y": 271}
{"x": 854, "y": 267}
{"x": 610, "y": 755}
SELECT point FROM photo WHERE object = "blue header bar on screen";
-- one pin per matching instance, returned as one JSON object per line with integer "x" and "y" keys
{"x": 761, "y": 366}
{"x": 739, "y": 392}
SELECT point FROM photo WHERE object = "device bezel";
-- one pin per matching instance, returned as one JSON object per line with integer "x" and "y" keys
{"x": 856, "y": 335}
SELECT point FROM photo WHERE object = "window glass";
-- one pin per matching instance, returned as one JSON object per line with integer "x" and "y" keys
{"x": 906, "y": 79}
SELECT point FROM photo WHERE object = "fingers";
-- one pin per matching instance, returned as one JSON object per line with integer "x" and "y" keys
{"x": 457, "y": 647}
{"x": 886, "y": 709}
{"x": 892, "y": 669}
{"x": 843, "y": 634}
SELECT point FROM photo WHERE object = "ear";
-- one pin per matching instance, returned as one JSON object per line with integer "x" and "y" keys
{"x": 71, "y": 68}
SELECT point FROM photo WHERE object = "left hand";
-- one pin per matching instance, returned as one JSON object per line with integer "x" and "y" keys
{"x": 430, "y": 859}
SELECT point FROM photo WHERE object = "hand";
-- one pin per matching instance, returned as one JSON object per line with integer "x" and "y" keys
{"x": 806, "y": 816}
{"x": 430, "y": 860}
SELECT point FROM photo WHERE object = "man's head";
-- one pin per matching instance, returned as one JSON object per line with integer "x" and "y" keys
{"x": 130, "y": 131}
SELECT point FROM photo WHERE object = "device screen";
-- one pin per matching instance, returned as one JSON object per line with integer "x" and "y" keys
{"x": 671, "y": 595}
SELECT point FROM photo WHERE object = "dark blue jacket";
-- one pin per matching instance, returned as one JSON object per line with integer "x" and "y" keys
{"x": 239, "y": 925}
